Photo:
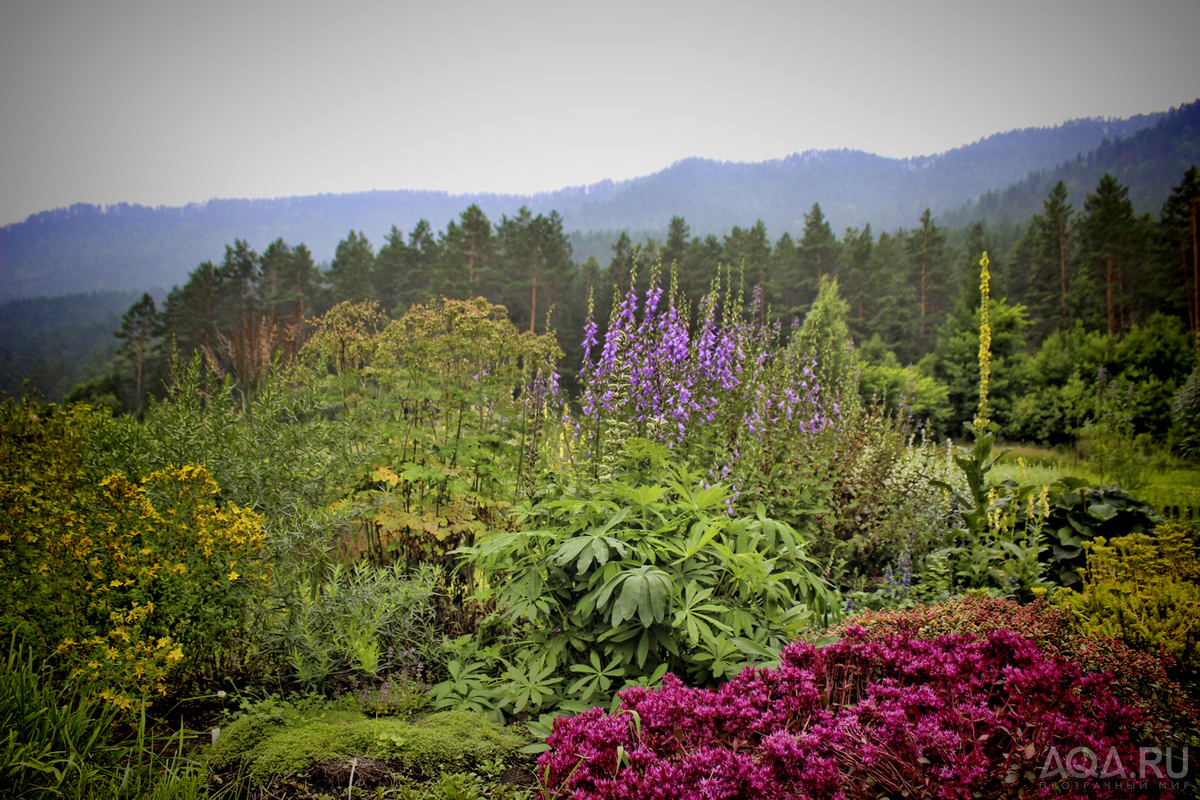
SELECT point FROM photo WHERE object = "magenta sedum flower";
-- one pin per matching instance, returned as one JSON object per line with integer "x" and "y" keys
{"x": 952, "y": 717}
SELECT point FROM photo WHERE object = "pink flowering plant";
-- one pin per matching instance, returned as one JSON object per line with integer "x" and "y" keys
{"x": 949, "y": 717}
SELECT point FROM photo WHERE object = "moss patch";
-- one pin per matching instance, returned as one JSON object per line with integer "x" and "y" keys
{"x": 448, "y": 741}
{"x": 272, "y": 750}
{"x": 240, "y": 737}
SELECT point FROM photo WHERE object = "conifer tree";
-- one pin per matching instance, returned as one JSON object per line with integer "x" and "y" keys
{"x": 1180, "y": 238}
{"x": 140, "y": 328}
{"x": 537, "y": 260}
{"x": 351, "y": 273}
{"x": 467, "y": 250}
{"x": 391, "y": 263}
{"x": 1054, "y": 243}
{"x": 1109, "y": 237}
{"x": 818, "y": 250}
{"x": 927, "y": 252}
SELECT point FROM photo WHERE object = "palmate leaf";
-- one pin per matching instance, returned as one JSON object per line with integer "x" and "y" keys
{"x": 645, "y": 592}
{"x": 696, "y": 617}
{"x": 702, "y": 500}
{"x": 597, "y": 679}
{"x": 593, "y": 545}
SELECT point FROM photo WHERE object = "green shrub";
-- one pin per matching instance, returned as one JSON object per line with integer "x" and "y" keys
{"x": 629, "y": 579}
{"x": 122, "y": 580}
{"x": 365, "y": 621}
{"x": 1144, "y": 589}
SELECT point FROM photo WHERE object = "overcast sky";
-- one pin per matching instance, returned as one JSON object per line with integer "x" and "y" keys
{"x": 165, "y": 103}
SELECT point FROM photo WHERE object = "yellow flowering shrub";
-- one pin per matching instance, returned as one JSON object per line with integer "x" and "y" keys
{"x": 1145, "y": 590}
{"x": 122, "y": 581}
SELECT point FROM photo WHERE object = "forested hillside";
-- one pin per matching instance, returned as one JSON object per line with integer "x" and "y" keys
{"x": 1083, "y": 299}
{"x": 130, "y": 247}
{"x": 58, "y": 342}
{"x": 1145, "y": 162}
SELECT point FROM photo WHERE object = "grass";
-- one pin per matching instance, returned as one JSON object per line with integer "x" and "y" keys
{"x": 62, "y": 740}
{"x": 1173, "y": 486}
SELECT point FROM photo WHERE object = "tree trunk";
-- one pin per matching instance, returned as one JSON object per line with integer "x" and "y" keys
{"x": 1112, "y": 316}
{"x": 533, "y": 304}
{"x": 1195, "y": 277}
{"x": 1062, "y": 267}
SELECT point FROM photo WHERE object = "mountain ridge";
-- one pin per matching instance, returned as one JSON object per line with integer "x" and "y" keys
{"x": 130, "y": 246}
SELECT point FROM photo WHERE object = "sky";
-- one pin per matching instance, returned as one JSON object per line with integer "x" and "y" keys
{"x": 162, "y": 102}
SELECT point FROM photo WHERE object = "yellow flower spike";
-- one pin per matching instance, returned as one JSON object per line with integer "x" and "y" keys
{"x": 985, "y": 343}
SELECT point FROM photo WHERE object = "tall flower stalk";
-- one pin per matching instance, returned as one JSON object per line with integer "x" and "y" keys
{"x": 985, "y": 345}
{"x": 728, "y": 391}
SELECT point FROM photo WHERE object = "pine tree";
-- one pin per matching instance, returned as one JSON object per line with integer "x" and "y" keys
{"x": 286, "y": 279}
{"x": 477, "y": 246}
{"x": 678, "y": 234}
{"x": 422, "y": 260}
{"x": 927, "y": 252}
{"x": 391, "y": 264}
{"x": 1054, "y": 242}
{"x": 537, "y": 259}
{"x": 622, "y": 262}
{"x": 891, "y": 300}
{"x": 1179, "y": 237}
{"x": 140, "y": 328}
{"x": 190, "y": 311}
{"x": 854, "y": 257}
{"x": 1109, "y": 237}
{"x": 818, "y": 251}
{"x": 785, "y": 271}
{"x": 351, "y": 273}
{"x": 238, "y": 278}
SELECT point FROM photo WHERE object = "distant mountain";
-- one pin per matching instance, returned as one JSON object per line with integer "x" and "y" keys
{"x": 129, "y": 247}
{"x": 1149, "y": 162}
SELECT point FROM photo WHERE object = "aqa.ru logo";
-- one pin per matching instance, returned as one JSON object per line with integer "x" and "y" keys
{"x": 1082, "y": 762}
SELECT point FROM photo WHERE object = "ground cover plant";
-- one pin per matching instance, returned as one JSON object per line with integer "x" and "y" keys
{"x": 944, "y": 717}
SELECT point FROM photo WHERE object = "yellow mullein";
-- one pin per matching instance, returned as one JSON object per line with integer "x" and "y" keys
{"x": 985, "y": 343}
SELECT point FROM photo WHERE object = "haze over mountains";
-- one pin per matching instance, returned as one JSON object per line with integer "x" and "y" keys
{"x": 1001, "y": 179}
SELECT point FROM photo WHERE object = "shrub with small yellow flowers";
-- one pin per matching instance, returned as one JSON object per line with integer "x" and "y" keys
{"x": 122, "y": 582}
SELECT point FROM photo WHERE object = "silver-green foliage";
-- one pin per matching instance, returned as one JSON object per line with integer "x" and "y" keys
{"x": 358, "y": 620}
